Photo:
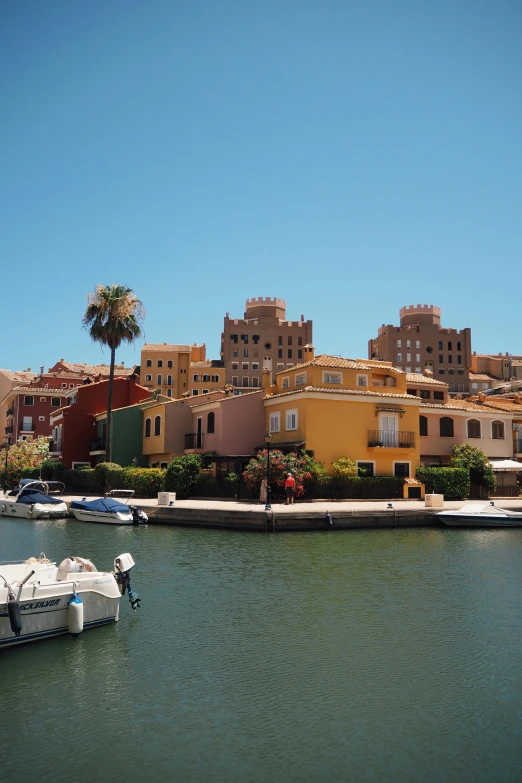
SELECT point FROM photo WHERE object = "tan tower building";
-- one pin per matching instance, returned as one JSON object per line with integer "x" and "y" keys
{"x": 263, "y": 338}
{"x": 420, "y": 342}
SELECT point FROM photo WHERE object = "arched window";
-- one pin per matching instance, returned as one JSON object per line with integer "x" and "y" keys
{"x": 473, "y": 428}
{"x": 423, "y": 425}
{"x": 157, "y": 425}
{"x": 147, "y": 428}
{"x": 497, "y": 430}
{"x": 210, "y": 421}
{"x": 446, "y": 427}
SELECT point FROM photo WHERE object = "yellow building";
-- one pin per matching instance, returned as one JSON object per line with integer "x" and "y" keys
{"x": 352, "y": 408}
{"x": 167, "y": 367}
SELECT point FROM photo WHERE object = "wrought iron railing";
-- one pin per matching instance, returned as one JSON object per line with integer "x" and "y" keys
{"x": 8, "y": 430}
{"x": 391, "y": 438}
{"x": 10, "y": 412}
{"x": 194, "y": 440}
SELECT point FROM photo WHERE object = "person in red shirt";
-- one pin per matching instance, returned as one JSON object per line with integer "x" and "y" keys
{"x": 289, "y": 488}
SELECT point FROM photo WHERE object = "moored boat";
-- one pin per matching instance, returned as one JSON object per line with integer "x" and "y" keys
{"x": 39, "y": 599}
{"x": 32, "y": 500}
{"x": 481, "y": 515}
{"x": 109, "y": 510}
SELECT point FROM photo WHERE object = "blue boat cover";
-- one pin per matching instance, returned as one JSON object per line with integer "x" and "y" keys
{"x": 104, "y": 505}
{"x": 30, "y": 496}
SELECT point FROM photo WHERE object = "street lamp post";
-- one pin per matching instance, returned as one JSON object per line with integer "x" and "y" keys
{"x": 6, "y": 449}
{"x": 268, "y": 440}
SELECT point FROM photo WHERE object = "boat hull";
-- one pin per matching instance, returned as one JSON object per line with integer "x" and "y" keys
{"x": 14, "y": 510}
{"x": 44, "y": 605}
{"x": 482, "y": 522}
{"x": 102, "y": 518}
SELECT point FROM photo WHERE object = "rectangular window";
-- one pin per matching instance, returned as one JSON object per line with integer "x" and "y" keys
{"x": 244, "y": 366}
{"x": 474, "y": 385}
{"x": 424, "y": 394}
{"x": 408, "y": 343}
{"x": 28, "y": 400}
{"x": 451, "y": 387}
{"x": 235, "y": 353}
{"x": 169, "y": 380}
{"x": 160, "y": 362}
{"x": 299, "y": 353}
{"x": 279, "y": 353}
{"x": 205, "y": 391}
{"x": 460, "y": 386}
{"x": 234, "y": 338}
{"x": 245, "y": 380}
{"x": 460, "y": 372}
{"x": 255, "y": 340}
{"x": 275, "y": 419}
{"x": 255, "y": 366}
{"x": 289, "y": 340}
{"x": 285, "y": 382}
{"x": 449, "y": 347}
{"x": 440, "y": 345}
{"x": 195, "y": 392}
{"x": 55, "y": 402}
{"x": 235, "y": 365}
{"x": 408, "y": 357}
{"x": 458, "y": 347}
{"x": 417, "y": 357}
{"x": 408, "y": 369}
{"x": 148, "y": 378}
{"x": 459, "y": 359}
{"x": 256, "y": 352}
{"x": 235, "y": 380}
{"x": 399, "y": 343}
{"x": 291, "y": 420}
{"x": 417, "y": 344}
{"x": 450, "y": 359}
{"x": 441, "y": 371}
{"x": 169, "y": 392}
{"x": 299, "y": 341}
{"x": 412, "y": 392}
{"x": 280, "y": 340}
{"x": 64, "y": 385}
{"x": 399, "y": 358}
{"x": 365, "y": 468}
{"x": 289, "y": 353}
{"x": 332, "y": 377}
{"x": 169, "y": 364}
{"x": 280, "y": 367}
{"x": 195, "y": 378}
{"x": 441, "y": 357}
{"x": 300, "y": 379}
{"x": 27, "y": 424}
{"x": 245, "y": 352}
{"x": 418, "y": 369}
{"x": 244, "y": 337}
{"x": 149, "y": 362}
{"x": 255, "y": 382}
{"x": 362, "y": 380}
{"x": 402, "y": 469}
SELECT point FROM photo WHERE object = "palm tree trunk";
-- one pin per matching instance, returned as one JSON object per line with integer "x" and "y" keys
{"x": 108, "y": 433}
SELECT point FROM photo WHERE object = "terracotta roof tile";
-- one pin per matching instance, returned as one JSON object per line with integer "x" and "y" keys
{"x": 358, "y": 392}
{"x": 221, "y": 399}
{"x": 40, "y": 390}
{"x": 418, "y": 377}
{"x": 169, "y": 348}
{"x": 457, "y": 405}
{"x": 324, "y": 360}
{"x": 481, "y": 376}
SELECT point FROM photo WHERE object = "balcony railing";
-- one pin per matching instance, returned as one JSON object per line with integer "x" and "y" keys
{"x": 98, "y": 444}
{"x": 8, "y": 430}
{"x": 10, "y": 412}
{"x": 194, "y": 440}
{"x": 391, "y": 439}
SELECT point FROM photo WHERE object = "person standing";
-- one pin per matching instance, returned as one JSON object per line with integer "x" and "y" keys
{"x": 289, "y": 489}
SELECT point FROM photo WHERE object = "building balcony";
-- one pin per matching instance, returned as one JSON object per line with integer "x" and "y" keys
{"x": 193, "y": 440}
{"x": 10, "y": 412}
{"x": 97, "y": 446}
{"x": 390, "y": 439}
{"x": 9, "y": 429}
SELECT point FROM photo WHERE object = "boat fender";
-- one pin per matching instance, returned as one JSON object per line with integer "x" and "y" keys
{"x": 75, "y": 615}
{"x": 3, "y": 507}
{"x": 329, "y": 519}
{"x": 15, "y": 616}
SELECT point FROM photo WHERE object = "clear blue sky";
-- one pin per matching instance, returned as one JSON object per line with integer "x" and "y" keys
{"x": 349, "y": 157}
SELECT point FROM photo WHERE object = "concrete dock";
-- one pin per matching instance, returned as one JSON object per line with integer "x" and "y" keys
{"x": 304, "y": 515}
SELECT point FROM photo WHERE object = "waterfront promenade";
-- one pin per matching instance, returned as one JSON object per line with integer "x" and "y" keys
{"x": 306, "y": 515}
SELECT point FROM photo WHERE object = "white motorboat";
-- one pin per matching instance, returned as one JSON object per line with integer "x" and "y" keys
{"x": 32, "y": 500}
{"x": 481, "y": 515}
{"x": 39, "y": 599}
{"x": 108, "y": 510}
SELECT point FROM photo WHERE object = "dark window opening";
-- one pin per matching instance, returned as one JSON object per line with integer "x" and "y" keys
{"x": 423, "y": 425}
{"x": 446, "y": 427}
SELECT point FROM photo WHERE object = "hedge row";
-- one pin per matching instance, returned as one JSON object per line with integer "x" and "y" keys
{"x": 453, "y": 483}
{"x": 355, "y": 487}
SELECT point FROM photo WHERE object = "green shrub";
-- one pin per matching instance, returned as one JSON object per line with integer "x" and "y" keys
{"x": 344, "y": 467}
{"x": 85, "y": 480}
{"x": 182, "y": 473}
{"x": 477, "y": 462}
{"x": 146, "y": 482}
{"x": 356, "y": 487}
{"x": 453, "y": 483}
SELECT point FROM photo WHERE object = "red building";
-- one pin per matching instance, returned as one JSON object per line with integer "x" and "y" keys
{"x": 74, "y": 428}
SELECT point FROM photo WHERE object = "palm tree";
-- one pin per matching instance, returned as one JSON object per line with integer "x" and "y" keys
{"x": 113, "y": 315}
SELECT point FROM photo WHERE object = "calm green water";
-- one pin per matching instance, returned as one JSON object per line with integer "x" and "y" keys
{"x": 382, "y": 656}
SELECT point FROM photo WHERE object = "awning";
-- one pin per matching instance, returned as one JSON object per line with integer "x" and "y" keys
{"x": 506, "y": 464}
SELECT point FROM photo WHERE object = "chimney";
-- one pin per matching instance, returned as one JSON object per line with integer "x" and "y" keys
{"x": 308, "y": 352}
{"x": 267, "y": 381}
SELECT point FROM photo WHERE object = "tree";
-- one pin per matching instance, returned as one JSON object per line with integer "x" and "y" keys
{"x": 301, "y": 466}
{"x": 113, "y": 315}
{"x": 22, "y": 455}
{"x": 476, "y": 461}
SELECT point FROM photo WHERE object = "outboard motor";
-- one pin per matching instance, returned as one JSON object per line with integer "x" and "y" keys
{"x": 139, "y": 517}
{"x": 123, "y": 565}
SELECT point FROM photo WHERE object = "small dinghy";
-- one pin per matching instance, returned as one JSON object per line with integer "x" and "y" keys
{"x": 39, "y": 599}
{"x": 32, "y": 500}
{"x": 481, "y": 515}
{"x": 109, "y": 510}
